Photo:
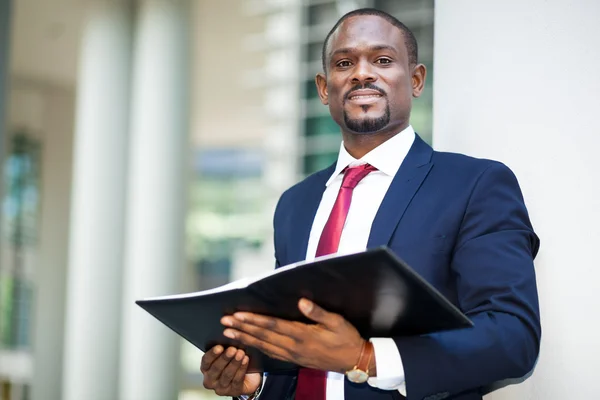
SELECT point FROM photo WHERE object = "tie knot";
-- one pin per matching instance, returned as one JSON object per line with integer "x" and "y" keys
{"x": 353, "y": 175}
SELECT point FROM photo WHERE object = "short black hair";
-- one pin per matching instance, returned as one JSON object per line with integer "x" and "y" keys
{"x": 409, "y": 38}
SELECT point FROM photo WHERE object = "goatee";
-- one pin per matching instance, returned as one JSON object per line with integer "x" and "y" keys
{"x": 368, "y": 125}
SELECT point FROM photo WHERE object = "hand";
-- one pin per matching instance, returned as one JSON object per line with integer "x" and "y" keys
{"x": 225, "y": 372}
{"x": 332, "y": 344}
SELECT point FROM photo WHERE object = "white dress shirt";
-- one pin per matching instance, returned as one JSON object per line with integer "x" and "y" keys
{"x": 366, "y": 199}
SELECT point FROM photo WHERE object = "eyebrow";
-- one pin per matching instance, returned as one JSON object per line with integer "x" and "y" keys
{"x": 346, "y": 50}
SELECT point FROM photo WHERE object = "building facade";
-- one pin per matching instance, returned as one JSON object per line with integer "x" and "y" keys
{"x": 145, "y": 144}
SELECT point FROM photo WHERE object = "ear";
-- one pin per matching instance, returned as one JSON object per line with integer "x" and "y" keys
{"x": 418, "y": 79}
{"x": 321, "y": 82}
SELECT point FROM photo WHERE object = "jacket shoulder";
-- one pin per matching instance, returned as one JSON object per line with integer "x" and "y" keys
{"x": 467, "y": 166}
{"x": 458, "y": 160}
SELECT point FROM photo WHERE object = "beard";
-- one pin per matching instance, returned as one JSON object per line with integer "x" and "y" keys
{"x": 368, "y": 125}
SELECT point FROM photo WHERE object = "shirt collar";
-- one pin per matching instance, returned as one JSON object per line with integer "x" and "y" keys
{"x": 387, "y": 157}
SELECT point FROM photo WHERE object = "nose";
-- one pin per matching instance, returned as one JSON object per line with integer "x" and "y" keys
{"x": 363, "y": 73}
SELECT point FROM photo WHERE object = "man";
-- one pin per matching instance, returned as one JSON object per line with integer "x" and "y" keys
{"x": 460, "y": 222}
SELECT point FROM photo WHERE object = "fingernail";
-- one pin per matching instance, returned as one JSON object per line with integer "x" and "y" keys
{"x": 231, "y": 352}
{"x": 239, "y": 355}
{"x": 218, "y": 349}
{"x": 306, "y": 305}
{"x": 229, "y": 333}
{"x": 245, "y": 360}
{"x": 239, "y": 316}
{"x": 227, "y": 321}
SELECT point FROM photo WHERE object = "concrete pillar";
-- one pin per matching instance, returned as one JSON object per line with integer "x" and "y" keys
{"x": 5, "y": 17}
{"x": 518, "y": 81}
{"x": 51, "y": 272}
{"x": 156, "y": 199}
{"x": 98, "y": 205}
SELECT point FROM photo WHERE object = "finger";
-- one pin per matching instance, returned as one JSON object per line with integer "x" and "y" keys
{"x": 209, "y": 357}
{"x": 317, "y": 314}
{"x": 214, "y": 372}
{"x": 261, "y": 326}
{"x": 237, "y": 382}
{"x": 270, "y": 349}
{"x": 231, "y": 369}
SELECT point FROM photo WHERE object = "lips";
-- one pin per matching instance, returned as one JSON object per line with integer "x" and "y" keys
{"x": 364, "y": 96}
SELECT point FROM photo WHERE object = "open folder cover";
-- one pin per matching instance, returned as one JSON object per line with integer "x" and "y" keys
{"x": 374, "y": 290}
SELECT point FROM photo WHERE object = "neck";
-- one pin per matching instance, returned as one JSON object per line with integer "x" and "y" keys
{"x": 359, "y": 144}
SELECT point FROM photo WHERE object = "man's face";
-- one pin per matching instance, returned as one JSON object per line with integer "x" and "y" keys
{"x": 369, "y": 83}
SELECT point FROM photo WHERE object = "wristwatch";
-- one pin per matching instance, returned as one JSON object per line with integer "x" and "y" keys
{"x": 360, "y": 372}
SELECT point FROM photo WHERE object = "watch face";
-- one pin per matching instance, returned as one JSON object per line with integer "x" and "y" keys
{"x": 357, "y": 376}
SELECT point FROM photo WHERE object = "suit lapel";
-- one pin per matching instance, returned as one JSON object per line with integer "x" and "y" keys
{"x": 408, "y": 179}
{"x": 302, "y": 218}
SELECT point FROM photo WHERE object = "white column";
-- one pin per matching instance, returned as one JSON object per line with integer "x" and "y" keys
{"x": 156, "y": 201}
{"x": 48, "y": 325}
{"x": 98, "y": 203}
{"x": 5, "y": 25}
{"x": 518, "y": 81}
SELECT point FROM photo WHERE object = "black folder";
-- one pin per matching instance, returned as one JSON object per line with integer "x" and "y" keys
{"x": 374, "y": 290}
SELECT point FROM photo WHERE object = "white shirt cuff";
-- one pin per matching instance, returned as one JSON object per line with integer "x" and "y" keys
{"x": 390, "y": 370}
{"x": 262, "y": 386}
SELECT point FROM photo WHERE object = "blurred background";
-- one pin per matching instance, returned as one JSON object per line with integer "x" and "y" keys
{"x": 194, "y": 114}
{"x": 144, "y": 144}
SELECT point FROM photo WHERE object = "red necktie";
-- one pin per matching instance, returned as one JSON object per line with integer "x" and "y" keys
{"x": 312, "y": 383}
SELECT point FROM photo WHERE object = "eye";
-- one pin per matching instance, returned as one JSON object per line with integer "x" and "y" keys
{"x": 343, "y": 64}
{"x": 383, "y": 60}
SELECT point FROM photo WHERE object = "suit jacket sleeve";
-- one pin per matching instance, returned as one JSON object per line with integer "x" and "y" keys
{"x": 493, "y": 265}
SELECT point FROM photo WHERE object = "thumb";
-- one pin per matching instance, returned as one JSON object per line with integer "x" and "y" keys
{"x": 316, "y": 313}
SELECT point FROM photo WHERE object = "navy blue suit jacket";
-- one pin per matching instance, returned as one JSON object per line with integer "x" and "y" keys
{"x": 461, "y": 223}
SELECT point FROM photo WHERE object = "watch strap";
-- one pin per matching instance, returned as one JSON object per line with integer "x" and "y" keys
{"x": 365, "y": 357}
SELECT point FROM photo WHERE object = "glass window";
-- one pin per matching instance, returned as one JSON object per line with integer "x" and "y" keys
{"x": 19, "y": 226}
{"x": 321, "y": 125}
{"x": 317, "y": 162}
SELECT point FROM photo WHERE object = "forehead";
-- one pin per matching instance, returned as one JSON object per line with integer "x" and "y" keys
{"x": 366, "y": 31}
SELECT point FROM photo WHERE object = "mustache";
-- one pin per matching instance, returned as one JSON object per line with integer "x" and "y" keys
{"x": 365, "y": 86}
